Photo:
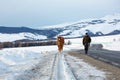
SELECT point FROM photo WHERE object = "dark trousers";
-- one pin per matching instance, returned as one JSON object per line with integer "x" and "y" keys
{"x": 86, "y": 46}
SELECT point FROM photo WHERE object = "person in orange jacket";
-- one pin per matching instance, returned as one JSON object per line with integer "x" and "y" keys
{"x": 60, "y": 43}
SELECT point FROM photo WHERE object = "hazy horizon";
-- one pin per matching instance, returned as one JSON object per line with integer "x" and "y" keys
{"x": 40, "y": 13}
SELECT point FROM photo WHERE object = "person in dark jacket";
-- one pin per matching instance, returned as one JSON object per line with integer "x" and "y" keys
{"x": 86, "y": 42}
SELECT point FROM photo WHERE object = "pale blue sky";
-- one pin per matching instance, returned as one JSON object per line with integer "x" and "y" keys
{"x": 38, "y": 13}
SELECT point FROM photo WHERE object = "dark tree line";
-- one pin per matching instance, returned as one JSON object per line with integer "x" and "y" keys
{"x": 25, "y": 44}
{"x": 28, "y": 43}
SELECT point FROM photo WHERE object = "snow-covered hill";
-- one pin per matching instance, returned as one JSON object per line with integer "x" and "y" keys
{"x": 95, "y": 27}
{"x": 19, "y": 36}
{"x": 108, "y": 25}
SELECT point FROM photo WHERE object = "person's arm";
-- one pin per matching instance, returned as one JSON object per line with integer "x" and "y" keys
{"x": 63, "y": 41}
{"x": 83, "y": 40}
{"x": 57, "y": 41}
{"x": 89, "y": 40}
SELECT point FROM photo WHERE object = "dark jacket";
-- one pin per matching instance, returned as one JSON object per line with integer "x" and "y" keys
{"x": 86, "y": 39}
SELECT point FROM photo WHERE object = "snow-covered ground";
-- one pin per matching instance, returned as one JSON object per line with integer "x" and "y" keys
{"x": 18, "y": 36}
{"x": 36, "y": 63}
{"x": 109, "y": 42}
{"x": 16, "y": 61}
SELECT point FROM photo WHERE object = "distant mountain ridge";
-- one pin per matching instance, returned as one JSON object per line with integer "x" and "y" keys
{"x": 14, "y": 30}
{"x": 109, "y": 25}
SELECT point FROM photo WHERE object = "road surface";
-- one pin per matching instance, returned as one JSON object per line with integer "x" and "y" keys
{"x": 112, "y": 57}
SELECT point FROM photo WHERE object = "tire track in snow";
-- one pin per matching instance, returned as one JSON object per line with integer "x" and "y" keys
{"x": 63, "y": 72}
{"x": 53, "y": 67}
{"x": 83, "y": 70}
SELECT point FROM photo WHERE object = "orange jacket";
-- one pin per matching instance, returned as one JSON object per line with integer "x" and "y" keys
{"x": 60, "y": 43}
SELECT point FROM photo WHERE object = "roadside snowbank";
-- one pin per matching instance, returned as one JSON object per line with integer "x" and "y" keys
{"x": 109, "y": 42}
{"x": 17, "y": 60}
{"x": 84, "y": 71}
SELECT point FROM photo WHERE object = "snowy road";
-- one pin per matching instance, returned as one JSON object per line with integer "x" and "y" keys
{"x": 53, "y": 67}
{"x": 112, "y": 57}
{"x": 58, "y": 69}
{"x": 40, "y": 63}
{"x": 109, "y": 56}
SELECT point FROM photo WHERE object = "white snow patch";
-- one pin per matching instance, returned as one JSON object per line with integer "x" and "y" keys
{"x": 85, "y": 71}
{"x": 109, "y": 42}
{"x": 13, "y": 37}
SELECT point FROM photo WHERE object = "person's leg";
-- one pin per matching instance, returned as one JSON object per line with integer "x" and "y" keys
{"x": 60, "y": 48}
{"x": 86, "y": 48}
